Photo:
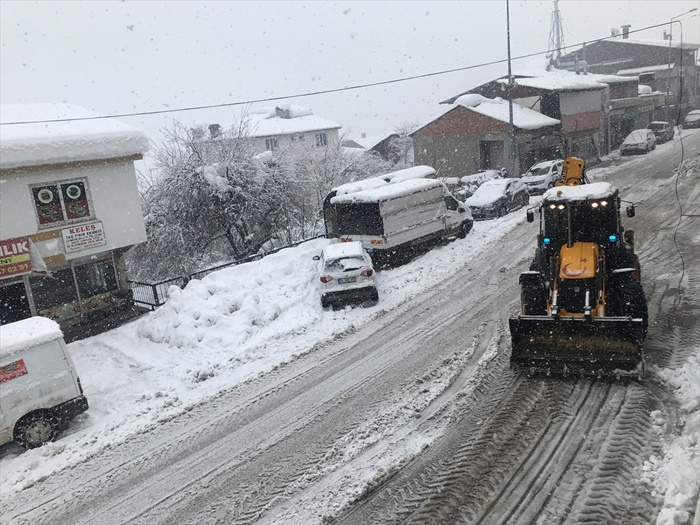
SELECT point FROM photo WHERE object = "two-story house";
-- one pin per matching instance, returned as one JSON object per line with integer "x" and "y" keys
{"x": 284, "y": 127}
{"x": 69, "y": 210}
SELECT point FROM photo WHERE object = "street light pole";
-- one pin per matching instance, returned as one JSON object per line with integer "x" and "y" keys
{"x": 511, "y": 84}
{"x": 668, "y": 70}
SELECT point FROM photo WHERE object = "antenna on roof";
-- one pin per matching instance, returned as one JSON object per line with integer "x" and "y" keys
{"x": 556, "y": 33}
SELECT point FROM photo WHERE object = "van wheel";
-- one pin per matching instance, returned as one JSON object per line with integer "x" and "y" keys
{"x": 465, "y": 229}
{"x": 36, "y": 429}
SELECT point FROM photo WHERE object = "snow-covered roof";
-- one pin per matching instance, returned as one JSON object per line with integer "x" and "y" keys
{"x": 342, "y": 249}
{"x": 38, "y": 143}
{"x": 27, "y": 333}
{"x": 370, "y": 142}
{"x": 645, "y": 69}
{"x": 497, "y": 108}
{"x": 595, "y": 190}
{"x": 388, "y": 192}
{"x": 273, "y": 121}
{"x": 658, "y": 43}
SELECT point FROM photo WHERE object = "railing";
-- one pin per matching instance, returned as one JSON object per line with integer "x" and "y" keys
{"x": 153, "y": 295}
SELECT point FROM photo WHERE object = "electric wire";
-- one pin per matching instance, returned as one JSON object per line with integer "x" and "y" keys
{"x": 315, "y": 93}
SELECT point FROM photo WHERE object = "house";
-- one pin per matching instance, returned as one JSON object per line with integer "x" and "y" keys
{"x": 392, "y": 147}
{"x": 473, "y": 135}
{"x": 596, "y": 111}
{"x": 283, "y": 128}
{"x": 666, "y": 66}
{"x": 70, "y": 209}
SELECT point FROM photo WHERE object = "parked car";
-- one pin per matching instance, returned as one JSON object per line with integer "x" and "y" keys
{"x": 470, "y": 183}
{"x": 663, "y": 131}
{"x": 692, "y": 119}
{"x": 640, "y": 140}
{"x": 542, "y": 176}
{"x": 347, "y": 275}
{"x": 41, "y": 391}
{"x": 496, "y": 198}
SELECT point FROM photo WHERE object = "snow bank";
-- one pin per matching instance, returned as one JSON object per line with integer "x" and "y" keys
{"x": 37, "y": 143}
{"x": 676, "y": 477}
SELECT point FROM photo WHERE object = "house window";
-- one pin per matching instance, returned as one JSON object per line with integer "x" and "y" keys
{"x": 301, "y": 137}
{"x": 61, "y": 202}
{"x": 321, "y": 139}
{"x": 271, "y": 144}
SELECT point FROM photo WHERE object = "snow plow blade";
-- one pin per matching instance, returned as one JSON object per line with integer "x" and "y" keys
{"x": 610, "y": 346}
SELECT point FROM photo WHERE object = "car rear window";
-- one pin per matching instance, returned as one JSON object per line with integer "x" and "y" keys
{"x": 345, "y": 264}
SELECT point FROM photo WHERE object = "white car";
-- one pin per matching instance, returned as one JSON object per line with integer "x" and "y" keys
{"x": 642, "y": 140}
{"x": 347, "y": 275}
{"x": 542, "y": 176}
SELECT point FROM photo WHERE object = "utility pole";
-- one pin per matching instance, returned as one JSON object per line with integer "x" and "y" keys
{"x": 513, "y": 171}
{"x": 668, "y": 70}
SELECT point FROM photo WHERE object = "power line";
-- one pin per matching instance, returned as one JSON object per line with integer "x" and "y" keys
{"x": 313, "y": 93}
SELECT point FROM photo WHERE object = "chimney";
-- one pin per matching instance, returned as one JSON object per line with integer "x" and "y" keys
{"x": 282, "y": 113}
{"x": 626, "y": 31}
{"x": 615, "y": 31}
{"x": 667, "y": 36}
{"x": 364, "y": 135}
{"x": 214, "y": 130}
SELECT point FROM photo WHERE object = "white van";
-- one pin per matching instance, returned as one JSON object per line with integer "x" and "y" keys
{"x": 40, "y": 391}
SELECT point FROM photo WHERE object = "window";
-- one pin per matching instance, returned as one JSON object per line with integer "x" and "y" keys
{"x": 321, "y": 139}
{"x": 53, "y": 291}
{"x": 301, "y": 137}
{"x": 271, "y": 144}
{"x": 61, "y": 202}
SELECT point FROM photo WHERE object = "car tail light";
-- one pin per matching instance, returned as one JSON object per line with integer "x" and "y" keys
{"x": 80, "y": 387}
{"x": 367, "y": 273}
{"x": 326, "y": 278}
{"x": 345, "y": 239}
{"x": 460, "y": 210}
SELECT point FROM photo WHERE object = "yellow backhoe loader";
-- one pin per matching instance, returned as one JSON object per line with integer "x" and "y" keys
{"x": 583, "y": 310}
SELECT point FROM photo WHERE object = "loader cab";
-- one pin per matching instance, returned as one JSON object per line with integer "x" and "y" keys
{"x": 568, "y": 217}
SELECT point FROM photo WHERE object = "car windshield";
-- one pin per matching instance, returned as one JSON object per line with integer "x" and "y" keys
{"x": 539, "y": 170}
{"x": 636, "y": 136}
{"x": 345, "y": 264}
{"x": 654, "y": 126}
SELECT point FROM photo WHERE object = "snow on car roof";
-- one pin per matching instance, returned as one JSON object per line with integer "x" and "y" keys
{"x": 416, "y": 172}
{"x": 546, "y": 163}
{"x": 595, "y": 190}
{"x": 360, "y": 185}
{"x": 388, "y": 192}
{"x": 342, "y": 249}
{"x": 27, "y": 333}
{"x": 37, "y": 142}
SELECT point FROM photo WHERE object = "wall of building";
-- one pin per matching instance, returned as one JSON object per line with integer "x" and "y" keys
{"x": 296, "y": 142}
{"x": 113, "y": 196}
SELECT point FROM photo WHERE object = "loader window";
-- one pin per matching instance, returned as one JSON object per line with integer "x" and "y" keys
{"x": 588, "y": 224}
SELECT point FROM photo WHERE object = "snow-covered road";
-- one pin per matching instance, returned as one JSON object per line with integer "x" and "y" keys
{"x": 406, "y": 411}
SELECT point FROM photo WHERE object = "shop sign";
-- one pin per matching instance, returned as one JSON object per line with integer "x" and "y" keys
{"x": 14, "y": 257}
{"x": 83, "y": 237}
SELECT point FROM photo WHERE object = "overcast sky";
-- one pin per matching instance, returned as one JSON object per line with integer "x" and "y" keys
{"x": 118, "y": 57}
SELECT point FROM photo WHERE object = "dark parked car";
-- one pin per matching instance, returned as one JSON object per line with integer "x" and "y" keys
{"x": 663, "y": 131}
{"x": 692, "y": 119}
{"x": 497, "y": 197}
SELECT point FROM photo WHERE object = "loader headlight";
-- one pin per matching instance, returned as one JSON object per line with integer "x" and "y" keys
{"x": 612, "y": 238}
{"x": 546, "y": 240}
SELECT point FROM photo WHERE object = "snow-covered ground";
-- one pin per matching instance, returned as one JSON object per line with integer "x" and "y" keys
{"x": 243, "y": 321}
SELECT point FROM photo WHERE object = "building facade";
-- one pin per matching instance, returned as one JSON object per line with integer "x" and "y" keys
{"x": 70, "y": 209}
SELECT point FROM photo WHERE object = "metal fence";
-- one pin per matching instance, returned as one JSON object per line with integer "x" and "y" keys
{"x": 156, "y": 294}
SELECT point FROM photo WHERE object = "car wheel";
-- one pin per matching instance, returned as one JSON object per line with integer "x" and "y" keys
{"x": 36, "y": 429}
{"x": 502, "y": 210}
{"x": 325, "y": 303}
{"x": 653, "y": 147}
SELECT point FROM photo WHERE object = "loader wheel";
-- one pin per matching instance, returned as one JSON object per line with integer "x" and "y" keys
{"x": 634, "y": 304}
{"x": 534, "y": 299}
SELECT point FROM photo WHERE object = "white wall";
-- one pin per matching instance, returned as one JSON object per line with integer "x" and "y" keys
{"x": 114, "y": 198}
{"x": 286, "y": 142}
{"x": 573, "y": 103}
